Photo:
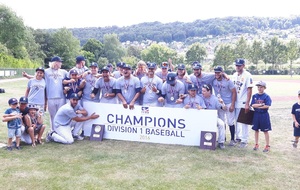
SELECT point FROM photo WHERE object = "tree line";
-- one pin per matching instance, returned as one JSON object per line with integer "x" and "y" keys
{"x": 22, "y": 46}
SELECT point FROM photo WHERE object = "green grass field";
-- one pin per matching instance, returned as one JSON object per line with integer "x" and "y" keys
{"x": 113, "y": 164}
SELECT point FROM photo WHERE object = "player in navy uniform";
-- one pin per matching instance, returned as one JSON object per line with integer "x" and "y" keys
{"x": 261, "y": 119}
{"x": 296, "y": 120}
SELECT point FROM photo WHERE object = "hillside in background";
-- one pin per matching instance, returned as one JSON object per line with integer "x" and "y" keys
{"x": 185, "y": 32}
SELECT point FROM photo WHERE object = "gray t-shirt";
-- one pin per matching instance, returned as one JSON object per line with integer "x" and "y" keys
{"x": 206, "y": 78}
{"x": 65, "y": 114}
{"x": 194, "y": 102}
{"x": 36, "y": 93}
{"x": 212, "y": 102}
{"x": 172, "y": 93}
{"x": 128, "y": 87}
{"x": 150, "y": 97}
{"x": 106, "y": 87}
{"x": 54, "y": 86}
{"x": 223, "y": 88}
{"x": 90, "y": 82}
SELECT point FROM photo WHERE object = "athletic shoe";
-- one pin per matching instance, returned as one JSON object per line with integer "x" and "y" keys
{"x": 238, "y": 140}
{"x": 243, "y": 145}
{"x": 18, "y": 147}
{"x": 9, "y": 148}
{"x": 49, "y": 137}
{"x": 256, "y": 147}
{"x": 295, "y": 144}
{"x": 232, "y": 143}
{"x": 267, "y": 149}
{"x": 82, "y": 134}
{"x": 221, "y": 146}
{"x": 78, "y": 137}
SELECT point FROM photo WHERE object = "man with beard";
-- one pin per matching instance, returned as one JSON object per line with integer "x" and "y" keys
{"x": 128, "y": 88}
{"x": 107, "y": 86}
{"x": 242, "y": 80}
{"x": 68, "y": 116}
{"x": 172, "y": 91}
{"x": 151, "y": 87}
{"x": 226, "y": 94}
{"x": 163, "y": 72}
{"x": 183, "y": 77}
{"x": 199, "y": 78}
{"x": 88, "y": 84}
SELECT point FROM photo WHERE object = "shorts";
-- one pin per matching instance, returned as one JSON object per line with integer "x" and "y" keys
{"x": 296, "y": 131}
{"x": 261, "y": 121}
{"x": 38, "y": 129}
{"x": 14, "y": 132}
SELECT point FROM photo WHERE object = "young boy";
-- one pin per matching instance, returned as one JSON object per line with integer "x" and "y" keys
{"x": 13, "y": 118}
{"x": 261, "y": 119}
{"x": 34, "y": 120}
{"x": 296, "y": 120}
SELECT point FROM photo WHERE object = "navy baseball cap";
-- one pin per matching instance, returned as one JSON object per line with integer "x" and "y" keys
{"x": 151, "y": 65}
{"x": 73, "y": 71}
{"x": 74, "y": 96}
{"x": 32, "y": 106}
{"x": 239, "y": 62}
{"x": 12, "y": 101}
{"x": 218, "y": 69}
{"x": 56, "y": 58}
{"x": 79, "y": 59}
{"x": 197, "y": 65}
{"x": 126, "y": 66}
{"x": 171, "y": 78}
{"x": 192, "y": 87}
{"x": 109, "y": 65}
{"x": 120, "y": 64}
{"x": 40, "y": 69}
{"x": 23, "y": 100}
{"x": 181, "y": 66}
{"x": 105, "y": 68}
{"x": 94, "y": 64}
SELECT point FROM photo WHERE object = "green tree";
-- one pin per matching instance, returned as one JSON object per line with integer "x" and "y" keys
{"x": 96, "y": 47}
{"x": 158, "y": 53}
{"x": 113, "y": 49}
{"x": 256, "y": 52}
{"x": 292, "y": 52}
{"x": 195, "y": 52}
{"x": 134, "y": 51}
{"x": 275, "y": 52}
{"x": 12, "y": 32}
{"x": 242, "y": 48}
{"x": 224, "y": 55}
{"x": 65, "y": 45}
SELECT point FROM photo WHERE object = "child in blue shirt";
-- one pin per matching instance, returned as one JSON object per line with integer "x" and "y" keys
{"x": 261, "y": 119}
{"x": 13, "y": 118}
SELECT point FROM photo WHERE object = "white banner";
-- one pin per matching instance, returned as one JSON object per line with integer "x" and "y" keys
{"x": 152, "y": 124}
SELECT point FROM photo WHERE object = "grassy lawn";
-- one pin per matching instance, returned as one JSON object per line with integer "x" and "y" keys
{"x": 113, "y": 164}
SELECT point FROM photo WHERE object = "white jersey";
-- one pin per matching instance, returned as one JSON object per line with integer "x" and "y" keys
{"x": 242, "y": 83}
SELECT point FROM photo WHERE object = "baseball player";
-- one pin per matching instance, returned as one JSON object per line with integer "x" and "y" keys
{"x": 242, "y": 81}
{"x": 193, "y": 100}
{"x": 69, "y": 121}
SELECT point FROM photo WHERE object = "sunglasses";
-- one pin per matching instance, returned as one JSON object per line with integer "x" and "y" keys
{"x": 206, "y": 87}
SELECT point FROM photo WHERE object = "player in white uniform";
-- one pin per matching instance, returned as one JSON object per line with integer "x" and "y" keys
{"x": 242, "y": 81}
{"x": 226, "y": 93}
{"x": 68, "y": 116}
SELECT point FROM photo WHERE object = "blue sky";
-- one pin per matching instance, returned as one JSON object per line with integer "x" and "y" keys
{"x": 92, "y": 13}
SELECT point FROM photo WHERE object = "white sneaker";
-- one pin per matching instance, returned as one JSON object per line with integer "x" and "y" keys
{"x": 49, "y": 137}
{"x": 78, "y": 137}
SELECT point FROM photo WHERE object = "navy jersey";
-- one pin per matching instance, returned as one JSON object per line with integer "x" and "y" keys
{"x": 261, "y": 99}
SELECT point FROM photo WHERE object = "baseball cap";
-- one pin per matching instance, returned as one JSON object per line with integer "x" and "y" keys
{"x": 12, "y": 101}
{"x": 94, "y": 64}
{"x": 239, "y": 62}
{"x": 109, "y": 65}
{"x": 171, "y": 78}
{"x": 40, "y": 69}
{"x": 74, "y": 96}
{"x": 126, "y": 66}
{"x": 23, "y": 100}
{"x": 73, "y": 71}
{"x": 151, "y": 65}
{"x": 32, "y": 106}
{"x": 164, "y": 65}
{"x": 56, "y": 58}
{"x": 207, "y": 87}
{"x": 261, "y": 83}
{"x": 120, "y": 64}
{"x": 181, "y": 66}
{"x": 197, "y": 65}
{"x": 79, "y": 59}
{"x": 105, "y": 68}
{"x": 192, "y": 87}
{"x": 218, "y": 69}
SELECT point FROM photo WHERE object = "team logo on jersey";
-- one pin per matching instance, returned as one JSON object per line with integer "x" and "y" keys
{"x": 145, "y": 110}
